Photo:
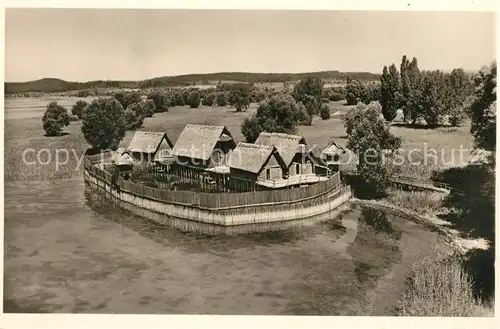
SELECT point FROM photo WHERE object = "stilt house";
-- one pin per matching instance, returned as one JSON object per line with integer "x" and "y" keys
{"x": 252, "y": 166}
{"x": 148, "y": 146}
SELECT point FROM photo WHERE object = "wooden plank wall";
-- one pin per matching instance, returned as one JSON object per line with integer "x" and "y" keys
{"x": 222, "y": 200}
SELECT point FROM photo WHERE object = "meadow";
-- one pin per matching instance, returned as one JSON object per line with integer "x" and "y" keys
{"x": 23, "y": 130}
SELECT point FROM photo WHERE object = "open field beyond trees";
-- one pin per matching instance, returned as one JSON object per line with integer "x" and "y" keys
{"x": 23, "y": 130}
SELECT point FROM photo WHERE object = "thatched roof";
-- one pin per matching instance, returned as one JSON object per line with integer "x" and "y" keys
{"x": 333, "y": 149}
{"x": 287, "y": 145}
{"x": 253, "y": 157}
{"x": 198, "y": 141}
{"x": 147, "y": 141}
{"x": 125, "y": 159}
{"x": 121, "y": 157}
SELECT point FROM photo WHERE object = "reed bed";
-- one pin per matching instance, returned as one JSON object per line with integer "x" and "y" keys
{"x": 441, "y": 288}
{"x": 421, "y": 201}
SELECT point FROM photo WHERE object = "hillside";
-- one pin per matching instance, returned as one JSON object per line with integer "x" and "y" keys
{"x": 58, "y": 85}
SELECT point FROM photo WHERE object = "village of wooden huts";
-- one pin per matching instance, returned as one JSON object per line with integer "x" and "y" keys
{"x": 210, "y": 154}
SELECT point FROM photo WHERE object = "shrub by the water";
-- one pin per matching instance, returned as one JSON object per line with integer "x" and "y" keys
{"x": 55, "y": 119}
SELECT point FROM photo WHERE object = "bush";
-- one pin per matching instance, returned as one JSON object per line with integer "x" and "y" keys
{"x": 208, "y": 99}
{"x": 55, "y": 119}
{"x": 78, "y": 108}
{"x": 303, "y": 118}
{"x": 239, "y": 96}
{"x": 149, "y": 107}
{"x": 324, "y": 112}
{"x": 221, "y": 99}
{"x": 308, "y": 88}
{"x": 311, "y": 105}
{"x": 193, "y": 99}
{"x": 334, "y": 97}
{"x": 104, "y": 124}
{"x": 160, "y": 101}
{"x": 127, "y": 98}
{"x": 178, "y": 99}
{"x": 277, "y": 114}
{"x": 135, "y": 115}
{"x": 52, "y": 128}
{"x": 83, "y": 93}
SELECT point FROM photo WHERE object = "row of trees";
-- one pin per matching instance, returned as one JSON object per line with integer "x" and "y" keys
{"x": 421, "y": 95}
{"x": 280, "y": 111}
{"x": 425, "y": 95}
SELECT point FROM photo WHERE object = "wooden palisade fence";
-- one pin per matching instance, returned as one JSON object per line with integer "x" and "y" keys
{"x": 219, "y": 200}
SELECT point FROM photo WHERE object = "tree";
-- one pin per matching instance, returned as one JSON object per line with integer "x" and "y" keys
{"x": 390, "y": 94}
{"x": 459, "y": 90}
{"x": 127, "y": 98}
{"x": 208, "y": 99}
{"x": 411, "y": 84}
{"x": 221, "y": 98}
{"x": 132, "y": 120}
{"x": 258, "y": 95}
{"x": 239, "y": 96}
{"x": 355, "y": 92}
{"x": 276, "y": 114}
{"x": 78, "y": 108}
{"x": 370, "y": 138}
{"x": 194, "y": 99}
{"x": 179, "y": 99}
{"x": 482, "y": 111}
{"x": 104, "y": 123}
{"x": 324, "y": 112}
{"x": 55, "y": 119}
{"x": 160, "y": 100}
{"x": 433, "y": 96}
{"x": 311, "y": 104}
{"x": 148, "y": 107}
{"x": 307, "y": 89}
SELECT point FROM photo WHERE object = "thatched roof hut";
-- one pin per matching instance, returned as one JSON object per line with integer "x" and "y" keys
{"x": 287, "y": 145}
{"x": 331, "y": 154}
{"x": 253, "y": 158}
{"x": 201, "y": 144}
{"x": 149, "y": 146}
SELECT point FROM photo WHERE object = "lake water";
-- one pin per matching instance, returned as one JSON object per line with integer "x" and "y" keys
{"x": 67, "y": 250}
{"x": 27, "y": 108}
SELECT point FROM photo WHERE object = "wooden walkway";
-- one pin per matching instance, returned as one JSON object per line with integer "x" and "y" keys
{"x": 415, "y": 184}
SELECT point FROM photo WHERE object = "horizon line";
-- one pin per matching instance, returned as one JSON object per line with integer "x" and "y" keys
{"x": 187, "y": 74}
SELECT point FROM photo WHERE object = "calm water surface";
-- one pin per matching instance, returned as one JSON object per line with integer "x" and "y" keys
{"x": 67, "y": 250}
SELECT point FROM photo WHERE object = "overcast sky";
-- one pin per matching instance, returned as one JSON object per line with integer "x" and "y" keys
{"x": 97, "y": 44}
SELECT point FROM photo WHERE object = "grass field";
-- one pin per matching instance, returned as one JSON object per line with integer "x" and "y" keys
{"x": 26, "y": 132}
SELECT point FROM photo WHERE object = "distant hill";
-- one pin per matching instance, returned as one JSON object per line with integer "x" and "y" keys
{"x": 58, "y": 85}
